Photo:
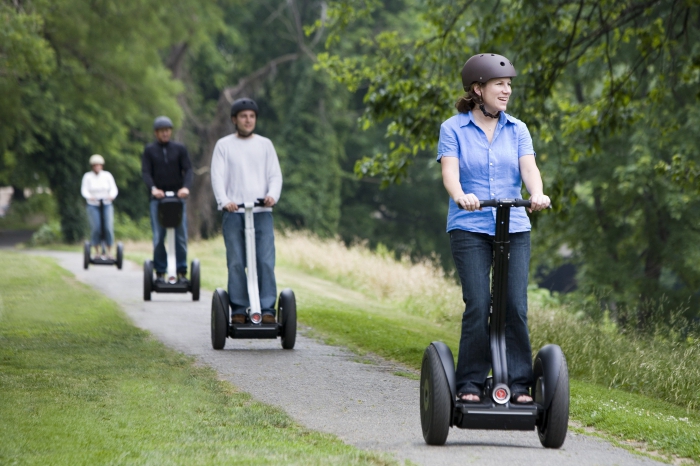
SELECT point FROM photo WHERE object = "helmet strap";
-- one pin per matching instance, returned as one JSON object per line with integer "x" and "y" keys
{"x": 487, "y": 114}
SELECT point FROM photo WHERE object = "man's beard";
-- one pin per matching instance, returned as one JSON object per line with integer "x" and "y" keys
{"x": 243, "y": 134}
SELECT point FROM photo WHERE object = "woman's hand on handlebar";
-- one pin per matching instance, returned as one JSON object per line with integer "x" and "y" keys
{"x": 231, "y": 207}
{"x": 468, "y": 202}
{"x": 539, "y": 202}
{"x": 269, "y": 201}
{"x": 158, "y": 193}
{"x": 182, "y": 193}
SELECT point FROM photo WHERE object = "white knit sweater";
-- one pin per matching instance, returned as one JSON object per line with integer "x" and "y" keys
{"x": 245, "y": 169}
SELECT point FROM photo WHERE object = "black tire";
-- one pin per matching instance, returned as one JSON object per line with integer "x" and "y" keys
{"x": 555, "y": 420}
{"x": 147, "y": 280}
{"x": 120, "y": 255}
{"x": 287, "y": 312}
{"x": 86, "y": 255}
{"x": 194, "y": 279}
{"x": 435, "y": 402}
{"x": 219, "y": 319}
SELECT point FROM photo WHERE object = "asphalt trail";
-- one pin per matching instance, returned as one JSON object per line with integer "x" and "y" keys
{"x": 326, "y": 388}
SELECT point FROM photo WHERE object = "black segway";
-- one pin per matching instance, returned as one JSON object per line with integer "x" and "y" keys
{"x": 221, "y": 326}
{"x": 439, "y": 407}
{"x": 102, "y": 260}
{"x": 170, "y": 210}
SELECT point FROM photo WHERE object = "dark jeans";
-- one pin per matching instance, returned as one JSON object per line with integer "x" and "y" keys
{"x": 233, "y": 226}
{"x": 473, "y": 256}
{"x": 160, "y": 255}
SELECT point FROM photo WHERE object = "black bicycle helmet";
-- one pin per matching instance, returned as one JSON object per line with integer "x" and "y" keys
{"x": 484, "y": 66}
{"x": 244, "y": 104}
{"x": 162, "y": 122}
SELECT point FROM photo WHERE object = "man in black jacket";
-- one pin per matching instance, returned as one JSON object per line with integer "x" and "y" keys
{"x": 166, "y": 166}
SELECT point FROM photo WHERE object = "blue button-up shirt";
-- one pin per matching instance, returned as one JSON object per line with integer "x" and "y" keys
{"x": 490, "y": 171}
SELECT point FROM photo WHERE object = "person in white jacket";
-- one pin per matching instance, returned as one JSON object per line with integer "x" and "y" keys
{"x": 245, "y": 168}
{"x": 98, "y": 186}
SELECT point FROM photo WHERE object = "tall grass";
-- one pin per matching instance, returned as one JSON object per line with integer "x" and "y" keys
{"x": 421, "y": 288}
{"x": 657, "y": 365}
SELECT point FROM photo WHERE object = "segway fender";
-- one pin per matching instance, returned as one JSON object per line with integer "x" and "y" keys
{"x": 448, "y": 364}
{"x": 548, "y": 365}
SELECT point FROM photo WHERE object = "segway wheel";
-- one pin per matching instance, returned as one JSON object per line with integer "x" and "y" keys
{"x": 219, "y": 319}
{"x": 194, "y": 279}
{"x": 120, "y": 255}
{"x": 552, "y": 392}
{"x": 147, "y": 279}
{"x": 287, "y": 312}
{"x": 86, "y": 255}
{"x": 435, "y": 402}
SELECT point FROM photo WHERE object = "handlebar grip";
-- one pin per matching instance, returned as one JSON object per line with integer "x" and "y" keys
{"x": 508, "y": 202}
{"x": 260, "y": 202}
{"x": 488, "y": 203}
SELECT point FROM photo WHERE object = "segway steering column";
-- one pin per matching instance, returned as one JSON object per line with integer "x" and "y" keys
{"x": 251, "y": 260}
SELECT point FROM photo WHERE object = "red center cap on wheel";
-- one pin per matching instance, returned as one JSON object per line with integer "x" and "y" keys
{"x": 501, "y": 394}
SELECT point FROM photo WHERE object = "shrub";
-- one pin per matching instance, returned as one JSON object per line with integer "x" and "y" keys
{"x": 125, "y": 228}
{"x": 48, "y": 233}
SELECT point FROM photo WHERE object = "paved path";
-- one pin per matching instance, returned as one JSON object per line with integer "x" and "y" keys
{"x": 326, "y": 389}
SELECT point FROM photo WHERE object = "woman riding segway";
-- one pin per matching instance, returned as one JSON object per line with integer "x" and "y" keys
{"x": 99, "y": 190}
{"x": 488, "y": 154}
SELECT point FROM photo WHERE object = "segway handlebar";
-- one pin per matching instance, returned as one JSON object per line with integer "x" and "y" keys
{"x": 260, "y": 202}
{"x": 505, "y": 202}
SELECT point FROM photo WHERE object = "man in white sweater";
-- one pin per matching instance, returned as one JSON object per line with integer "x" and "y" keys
{"x": 244, "y": 168}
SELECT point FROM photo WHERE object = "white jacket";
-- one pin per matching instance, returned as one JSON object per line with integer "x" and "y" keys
{"x": 98, "y": 186}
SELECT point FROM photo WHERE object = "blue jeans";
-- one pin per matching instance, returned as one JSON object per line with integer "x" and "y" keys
{"x": 160, "y": 255}
{"x": 93, "y": 212}
{"x": 473, "y": 257}
{"x": 233, "y": 226}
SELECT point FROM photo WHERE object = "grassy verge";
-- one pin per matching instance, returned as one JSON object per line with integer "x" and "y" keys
{"x": 371, "y": 303}
{"x": 81, "y": 385}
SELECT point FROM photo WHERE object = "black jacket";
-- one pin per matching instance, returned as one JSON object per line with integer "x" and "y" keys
{"x": 166, "y": 166}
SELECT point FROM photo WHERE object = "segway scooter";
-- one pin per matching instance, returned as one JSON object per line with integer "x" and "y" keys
{"x": 221, "y": 326}
{"x": 440, "y": 408}
{"x": 102, "y": 260}
{"x": 170, "y": 211}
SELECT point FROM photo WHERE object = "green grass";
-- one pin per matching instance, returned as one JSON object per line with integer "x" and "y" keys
{"x": 611, "y": 373}
{"x": 81, "y": 385}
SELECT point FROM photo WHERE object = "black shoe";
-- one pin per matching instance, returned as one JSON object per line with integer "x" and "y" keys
{"x": 182, "y": 277}
{"x": 160, "y": 277}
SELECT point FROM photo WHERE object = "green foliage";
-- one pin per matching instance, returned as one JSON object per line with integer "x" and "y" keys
{"x": 609, "y": 90}
{"x": 48, "y": 233}
{"x": 309, "y": 148}
{"x": 37, "y": 209}
{"x": 92, "y": 83}
{"x": 126, "y": 228}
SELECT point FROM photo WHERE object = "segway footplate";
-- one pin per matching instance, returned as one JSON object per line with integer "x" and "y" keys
{"x": 179, "y": 287}
{"x": 254, "y": 331}
{"x": 490, "y": 416}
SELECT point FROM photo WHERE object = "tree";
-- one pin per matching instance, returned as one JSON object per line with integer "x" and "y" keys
{"x": 86, "y": 78}
{"x": 610, "y": 91}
